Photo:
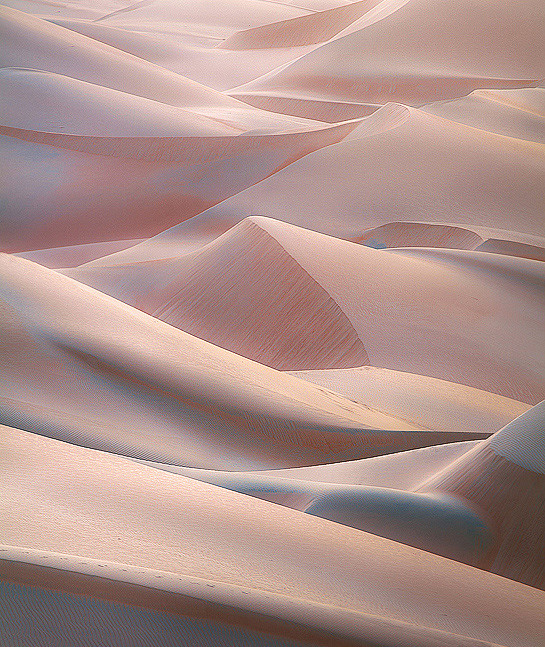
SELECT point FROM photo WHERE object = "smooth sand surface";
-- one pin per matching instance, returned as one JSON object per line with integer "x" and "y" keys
{"x": 145, "y": 518}
{"x": 388, "y": 298}
{"x": 398, "y": 57}
{"x": 271, "y": 280}
{"x": 138, "y": 386}
{"x": 391, "y": 174}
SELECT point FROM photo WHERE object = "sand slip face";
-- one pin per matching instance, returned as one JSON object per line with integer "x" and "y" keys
{"x": 243, "y": 292}
{"x": 80, "y": 367}
{"x": 147, "y": 518}
{"x": 386, "y": 298}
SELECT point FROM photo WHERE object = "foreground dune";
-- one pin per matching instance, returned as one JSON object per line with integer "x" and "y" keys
{"x": 297, "y": 487}
{"x": 323, "y": 576}
{"x": 486, "y": 509}
{"x": 83, "y": 367}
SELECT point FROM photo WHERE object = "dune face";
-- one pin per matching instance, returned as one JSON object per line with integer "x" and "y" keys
{"x": 504, "y": 478}
{"x": 419, "y": 234}
{"x": 220, "y": 293}
{"x": 271, "y": 280}
{"x": 346, "y": 572}
{"x": 396, "y": 58}
{"x": 203, "y": 403}
{"x": 485, "y": 509}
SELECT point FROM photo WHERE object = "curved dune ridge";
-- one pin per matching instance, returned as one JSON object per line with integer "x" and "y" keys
{"x": 144, "y": 389}
{"x": 396, "y": 58}
{"x": 297, "y": 487}
{"x": 407, "y": 147}
{"x": 242, "y": 292}
{"x": 302, "y": 30}
{"x": 485, "y": 509}
{"x": 338, "y": 593}
{"x": 515, "y": 113}
{"x": 173, "y": 161}
{"x": 81, "y": 108}
{"x": 386, "y": 298}
{"x": 419, "y": 234}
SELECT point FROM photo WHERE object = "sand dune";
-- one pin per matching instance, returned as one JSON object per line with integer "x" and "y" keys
{"x": 427, "y": 401}
{"x": 93, "y": 110}
{"x": 512, "y": 248}
{"x": 437, "y": 171}
{"x": 145, "y": 389}
{"x": 272, "y": 278}
{"x": 222, "y": 292}
{"x": 503, "y": 478}
{"x": 73, "y": 140}
{"x": 389, "y": 300}
{"x": 484, "y": 509}
{"x": 515, "y": 113}
{"x": 302, "y": 30}
{"x": 207, "y": 533}
{"x": 297, "y": 487}
{"x": 397, "y": 58}
{"x": 73, "y": 255}
{"x": 419, "y": 234}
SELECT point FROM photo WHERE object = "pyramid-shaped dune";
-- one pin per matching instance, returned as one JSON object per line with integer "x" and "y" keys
{"x": 181, "y": 401}
{"x": 243, "y": 292}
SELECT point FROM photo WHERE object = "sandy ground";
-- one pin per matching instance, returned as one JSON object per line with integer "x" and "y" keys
{"x": 272, "y": 355}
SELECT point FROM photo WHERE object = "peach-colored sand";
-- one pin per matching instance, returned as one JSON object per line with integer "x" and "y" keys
{"x": 272, "y": 277}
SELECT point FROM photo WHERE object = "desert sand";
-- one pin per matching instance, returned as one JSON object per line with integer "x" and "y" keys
{"x": 272, "y": 341}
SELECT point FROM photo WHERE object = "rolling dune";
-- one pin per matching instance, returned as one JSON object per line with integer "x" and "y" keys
{"x": 271, "y": 280}
{"x": 205, "y": 533}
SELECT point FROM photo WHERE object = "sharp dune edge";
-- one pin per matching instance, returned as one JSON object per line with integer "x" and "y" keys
{"x": 388, "y": 300}
{"x": 272, "y": 286}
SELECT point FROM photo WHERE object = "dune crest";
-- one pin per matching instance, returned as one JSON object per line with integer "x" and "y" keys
{"x": 245, "y": 293}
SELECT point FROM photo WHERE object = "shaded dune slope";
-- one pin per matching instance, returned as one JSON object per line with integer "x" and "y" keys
{"x": 83, "y": 367}
{"x": 245, "y": 293}
{"x": 420, "y": 234}
{"x": 485, "y": 509}
{"x": 323, "y": 576}
{"x": 503, "y": 478}
{"x": 387, "y": 297}
{"x": 297, "y": 487}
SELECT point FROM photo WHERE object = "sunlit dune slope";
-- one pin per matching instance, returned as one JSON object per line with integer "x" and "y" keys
{"x": 83, "y": 367}
{"x": 418, "y": 53}
{"x": 402, "y": 164}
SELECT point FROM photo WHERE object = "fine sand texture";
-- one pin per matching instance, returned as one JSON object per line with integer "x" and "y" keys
{"x": 272, "y": 323}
